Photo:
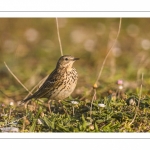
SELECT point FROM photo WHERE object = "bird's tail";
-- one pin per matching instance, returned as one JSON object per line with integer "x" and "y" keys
{"x": 26, "y": 100}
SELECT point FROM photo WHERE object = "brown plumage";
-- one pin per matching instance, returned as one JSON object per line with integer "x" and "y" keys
{"x": 60, "y": 83}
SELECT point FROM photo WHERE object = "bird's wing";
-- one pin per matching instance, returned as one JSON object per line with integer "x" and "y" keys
{"x": 46, "y": 87}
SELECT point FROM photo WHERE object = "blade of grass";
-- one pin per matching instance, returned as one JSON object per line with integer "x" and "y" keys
{"x": 32, "y": 128}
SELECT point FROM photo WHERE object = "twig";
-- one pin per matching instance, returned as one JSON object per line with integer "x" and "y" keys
{"x": 140, "y": 95}
{"x": 61, "y": 51}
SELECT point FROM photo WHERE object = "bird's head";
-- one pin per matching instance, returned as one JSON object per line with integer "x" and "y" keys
{"x": 66, "y": 61}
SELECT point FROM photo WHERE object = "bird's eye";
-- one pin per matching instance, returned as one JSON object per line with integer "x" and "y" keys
{"x": 66, "y": 59}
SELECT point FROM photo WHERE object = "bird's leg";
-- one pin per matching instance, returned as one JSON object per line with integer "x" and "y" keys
{"x": 60, "y": 103}
{"x": 49, "y": 106}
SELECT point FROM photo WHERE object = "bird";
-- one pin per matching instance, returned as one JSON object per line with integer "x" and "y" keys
{"x": 60, "y": 83}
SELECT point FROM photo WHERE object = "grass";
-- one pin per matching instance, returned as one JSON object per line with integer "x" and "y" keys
{"x": 116, "y": 116}
{"x": 99, "y": 107}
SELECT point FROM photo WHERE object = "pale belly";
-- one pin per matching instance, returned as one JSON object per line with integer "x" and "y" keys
{"x": 63, "y": 93}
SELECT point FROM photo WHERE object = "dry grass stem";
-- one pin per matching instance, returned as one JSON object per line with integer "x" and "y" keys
{"x": 30, "y": 92}
{"x": 82, "y": 98}
{"x": 137, "y": 107}
{"x": 38, "y": 85}
{"x": 61, "y": 51}
{"x": 94, "y": 98}
{"x": 16, "y": 78}
{"x": 101, "y": 69}
{"x": 100, "y": 72}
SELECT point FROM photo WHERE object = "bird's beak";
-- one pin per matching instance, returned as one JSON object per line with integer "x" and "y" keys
{"x": 76, "y": 59}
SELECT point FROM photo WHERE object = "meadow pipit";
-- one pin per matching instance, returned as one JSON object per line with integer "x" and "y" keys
{"x": 60, "y": 83}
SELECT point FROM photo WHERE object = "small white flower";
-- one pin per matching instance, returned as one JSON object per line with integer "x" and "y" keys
{"x": 74, "y": 102}
{"x": 101, "y": 105}
{"x": 39, "y": 121}
{"x": 11, "y": 103}
{"x": 120, "y": 87}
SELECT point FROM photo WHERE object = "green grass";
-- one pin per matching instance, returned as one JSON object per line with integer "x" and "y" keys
{"x": 114, "y": 117}
{"x": 88, "y": 39}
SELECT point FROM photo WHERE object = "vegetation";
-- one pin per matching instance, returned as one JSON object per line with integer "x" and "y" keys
{"x": 118, "y": 102}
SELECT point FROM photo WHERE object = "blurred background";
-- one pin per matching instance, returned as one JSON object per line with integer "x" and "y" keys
{"x": 30, "y": 48}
